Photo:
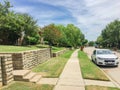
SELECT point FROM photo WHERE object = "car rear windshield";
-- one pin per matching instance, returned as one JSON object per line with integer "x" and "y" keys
{"x": 104, "y": 52}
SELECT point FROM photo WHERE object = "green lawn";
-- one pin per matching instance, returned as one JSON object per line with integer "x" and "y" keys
{"x": 6, "y": 48}
{"x": 27, "y": 86}
{"x": 55, "y": 49}
{"x": 54, "y": 66}
{"x": 100, "y": 88}
{"x": 89, "y": 69}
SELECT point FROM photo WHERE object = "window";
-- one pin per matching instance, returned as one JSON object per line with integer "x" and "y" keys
{"x": 94, "y": 52}
{"x": 104, "y": 52}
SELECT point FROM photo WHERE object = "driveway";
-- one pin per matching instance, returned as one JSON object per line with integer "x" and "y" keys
{"x": 112, "y": 72}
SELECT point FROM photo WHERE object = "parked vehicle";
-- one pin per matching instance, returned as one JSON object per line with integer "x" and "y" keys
{"x": 104, "y": 57}
{"x": 96, "y": 45}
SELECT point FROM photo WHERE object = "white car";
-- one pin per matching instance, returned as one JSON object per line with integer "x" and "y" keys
{"x": 104, "y": 57}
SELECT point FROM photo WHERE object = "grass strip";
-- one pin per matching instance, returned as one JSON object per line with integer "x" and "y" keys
{"x": 53, "y": 67}
{"x": 8, "y": 48}
{"x": 27, "y": 86}
{"x": 89, "y": 69}
{"x": 56, "y": 49}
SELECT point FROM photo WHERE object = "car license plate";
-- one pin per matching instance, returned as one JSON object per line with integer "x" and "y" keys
{"x": 110, "y": 63}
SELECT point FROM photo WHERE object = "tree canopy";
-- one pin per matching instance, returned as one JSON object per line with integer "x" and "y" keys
{"x": 13, "y": 25}
{"x": 110, "y": 36}
{"x": 69, "y": 35}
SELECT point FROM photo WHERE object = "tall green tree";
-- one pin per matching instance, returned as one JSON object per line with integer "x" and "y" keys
{"x": 31, "y": 29}
{"x": 51, "y": 34}
{"x": 8, "y": 33}
{"x": 13, "y": 25}
{"x": 110, "y": 36}
{"x": 4, "y": 8}
{"x": 91, "y": 43}
{"x": 63, "y": 40}
{"x": 74, "y": 35}
{"x": 63, "y": 36}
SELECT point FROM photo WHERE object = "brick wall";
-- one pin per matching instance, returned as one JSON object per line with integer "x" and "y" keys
{"x": 6, "y": 68}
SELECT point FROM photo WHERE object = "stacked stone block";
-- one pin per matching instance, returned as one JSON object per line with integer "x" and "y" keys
{"x": 6, "y": 69}
{"x": 29, "y": 59}
{"x": 55, "y": 54}
{"x": 22, "y": 60}
{"x": 33, "y": 58}
{"x": 17, "y": 59}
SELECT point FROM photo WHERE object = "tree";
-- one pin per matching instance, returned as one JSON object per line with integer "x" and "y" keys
{"x": 30, "y": 29}
{"x": 4, "y": 8}
{"x": 91, "y": 43}
{"x": 63, "y": 40}
{"x": 9, "y": 29}
{"x": 69, "y": 36}
{"x": 99, "y": 40}
{"x": 51, "y": 34}
{"x": 15, "y": 27}
{"x": 110, "y": 36}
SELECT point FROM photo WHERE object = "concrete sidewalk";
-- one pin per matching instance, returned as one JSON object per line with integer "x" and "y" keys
{"x": 71, "y": 77}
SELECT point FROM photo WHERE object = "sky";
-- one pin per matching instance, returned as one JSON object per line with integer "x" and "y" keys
{"x": 91, "y": 16}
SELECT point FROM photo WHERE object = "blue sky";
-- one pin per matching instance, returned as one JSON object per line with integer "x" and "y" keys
{"x": 91, "y": 16}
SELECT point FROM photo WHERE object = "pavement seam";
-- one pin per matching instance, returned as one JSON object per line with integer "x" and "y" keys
{"x": 108, "y": 83}
{"x": 72, "y": 85}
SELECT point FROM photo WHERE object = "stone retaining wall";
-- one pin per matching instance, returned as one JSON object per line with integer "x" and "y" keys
{"x": 29, "y": 59}
{"x": 6, "y": 68}
{"x": 55, "y": 54}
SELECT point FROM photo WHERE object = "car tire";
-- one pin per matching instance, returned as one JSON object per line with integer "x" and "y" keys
{"x": 96, "y": 62}
{"x": 92, "y": 59}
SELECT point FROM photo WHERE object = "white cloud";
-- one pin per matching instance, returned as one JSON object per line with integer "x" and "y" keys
{"x": 23, "y": 9}
{"x": 90, "y": 15}
{"x": 90, "y": 3}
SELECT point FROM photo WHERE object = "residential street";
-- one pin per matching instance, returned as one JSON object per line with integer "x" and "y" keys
{"x": 112, "y": 72}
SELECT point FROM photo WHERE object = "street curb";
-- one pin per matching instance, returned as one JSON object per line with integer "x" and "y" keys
{"x": 115, "y": 83}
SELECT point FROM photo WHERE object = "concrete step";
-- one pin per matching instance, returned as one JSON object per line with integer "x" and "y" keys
{"x": 36, "y": 78}
{"x": 19, "y": 74}
{"x": 29, "y": 76}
